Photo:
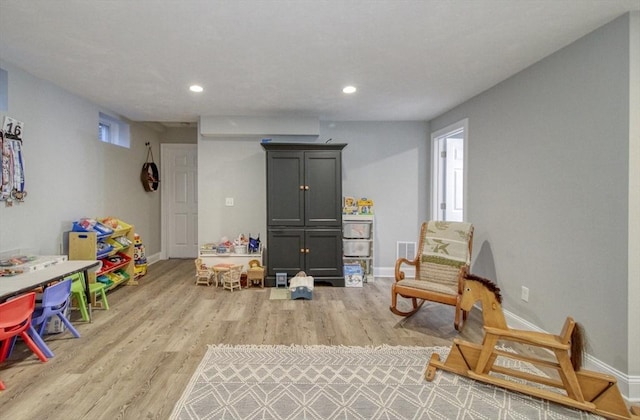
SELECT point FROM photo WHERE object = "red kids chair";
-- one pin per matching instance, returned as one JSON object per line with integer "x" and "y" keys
{"x": 15, "y": 320}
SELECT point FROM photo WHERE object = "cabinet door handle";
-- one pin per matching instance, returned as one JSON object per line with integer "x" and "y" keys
{"x": 302, "y": 187}
{"x": 302, "y": 250}
{"x": 306, "y": 251}
{"x": 306, "y": 187}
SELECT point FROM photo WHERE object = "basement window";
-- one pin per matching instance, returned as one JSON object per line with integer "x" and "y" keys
{"x": 113, "y": 130}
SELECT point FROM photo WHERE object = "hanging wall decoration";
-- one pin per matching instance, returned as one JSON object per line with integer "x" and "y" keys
{"x": 13, "y": 179}
{"x": 150, "y": 176}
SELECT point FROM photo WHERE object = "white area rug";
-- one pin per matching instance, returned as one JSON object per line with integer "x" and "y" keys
{"x": 336, "y": 382}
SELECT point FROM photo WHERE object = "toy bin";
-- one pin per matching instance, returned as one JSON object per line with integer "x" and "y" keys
{"x": 103, "y": 249}
{"x": 356, "y": 230}
{"x": 356, "y": 248}
{"x": 117, "y": 245}
{"x": 90, "y": 225}
{"x": 118, "y": 227}
{"x": 240, "y": 249}
{"x": 105, "y": 279}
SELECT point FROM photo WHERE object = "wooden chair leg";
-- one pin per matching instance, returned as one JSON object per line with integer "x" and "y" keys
{"x": 457, "y": 322}
{"x": 394, "y": 299}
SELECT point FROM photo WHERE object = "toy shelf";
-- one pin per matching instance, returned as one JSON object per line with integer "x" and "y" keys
{"x": 117, "y": 264}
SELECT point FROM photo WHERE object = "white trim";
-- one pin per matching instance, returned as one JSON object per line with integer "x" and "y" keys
{"x": 390, "y": 272}
{"x": 633, "y": 248}
{"x": 459, "y": 125}
{"x": 152, "y": 259}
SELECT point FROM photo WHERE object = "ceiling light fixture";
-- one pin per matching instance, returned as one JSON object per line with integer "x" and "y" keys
{"x": 196, "y": 88}
{"x": 349, "y": 89}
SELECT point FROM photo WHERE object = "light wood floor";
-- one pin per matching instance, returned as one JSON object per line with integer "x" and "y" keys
{"x": 135, "y": 360}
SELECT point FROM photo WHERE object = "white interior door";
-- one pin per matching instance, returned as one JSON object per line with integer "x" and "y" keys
{"x": 448, "y": 172}
{"x": 180, "y": 200}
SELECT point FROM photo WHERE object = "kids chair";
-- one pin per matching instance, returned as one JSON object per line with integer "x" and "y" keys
{"x": 15, "y": 320}
{"x": 443, "y": 259}
{"x": 231, "y": 277}
{"x": 55, "y": 301}
{"x": 77, "y": 292}
{"x": 203, "y": 275}
{"x": 255, "y": 274}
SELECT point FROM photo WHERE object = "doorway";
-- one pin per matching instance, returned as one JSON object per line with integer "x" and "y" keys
{"x": 179, "y": 200}
{"x": 448, "y": 180}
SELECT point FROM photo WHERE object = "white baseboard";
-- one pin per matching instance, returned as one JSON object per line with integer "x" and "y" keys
{"x": 629, "y": 385}
{"x": 151, "y": 259}
{"x": 390, "y": 272}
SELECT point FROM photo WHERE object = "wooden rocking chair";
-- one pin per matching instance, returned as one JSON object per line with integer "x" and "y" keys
{"x": 442, "y": 260}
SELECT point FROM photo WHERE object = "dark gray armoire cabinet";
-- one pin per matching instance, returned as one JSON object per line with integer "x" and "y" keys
{"x": 304, "y": 210}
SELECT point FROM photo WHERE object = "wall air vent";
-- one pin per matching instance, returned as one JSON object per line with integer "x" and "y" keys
{"x": 406, "y": 250}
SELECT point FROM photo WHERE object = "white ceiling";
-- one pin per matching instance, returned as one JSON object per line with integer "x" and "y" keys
{"x": 411, "y": 60}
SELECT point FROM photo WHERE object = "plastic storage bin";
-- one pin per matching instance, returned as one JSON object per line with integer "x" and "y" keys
{"x": 240, "y": 249}
{"x": 356, "y": 230}
{"x": 356, "y": 248}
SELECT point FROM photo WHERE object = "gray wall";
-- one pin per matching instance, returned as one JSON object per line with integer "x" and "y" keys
{"x": 69, "y": 173}
{"x": 387, "y": 162}
{"x": 232, "y": 168}
{"x": 548, "y": 188}
{"x": 179, "y": 135}
{"x": 384, "y": 161}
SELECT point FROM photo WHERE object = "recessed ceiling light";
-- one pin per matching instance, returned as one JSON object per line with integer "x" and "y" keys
{"x": 349, "y": 89}
{"x": 196, "y": 88}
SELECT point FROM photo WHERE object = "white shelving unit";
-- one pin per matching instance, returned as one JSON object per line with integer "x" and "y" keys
{"x": 210, "y": 258}
{"x": 357, "y": 242}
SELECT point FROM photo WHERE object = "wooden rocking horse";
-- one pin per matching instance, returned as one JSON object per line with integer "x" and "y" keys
{"x": 586, "y": 390}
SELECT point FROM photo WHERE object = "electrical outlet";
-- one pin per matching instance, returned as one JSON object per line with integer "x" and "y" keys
{"x": 525, "y": 294}
{"x": 228, "y": 201}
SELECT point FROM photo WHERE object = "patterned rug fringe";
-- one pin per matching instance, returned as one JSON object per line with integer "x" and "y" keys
{"x": 383, "y": 348}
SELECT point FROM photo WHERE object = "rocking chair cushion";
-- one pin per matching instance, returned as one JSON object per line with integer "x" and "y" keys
{"x": 447, "y": 243}
{"x": 441, "y": 275}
